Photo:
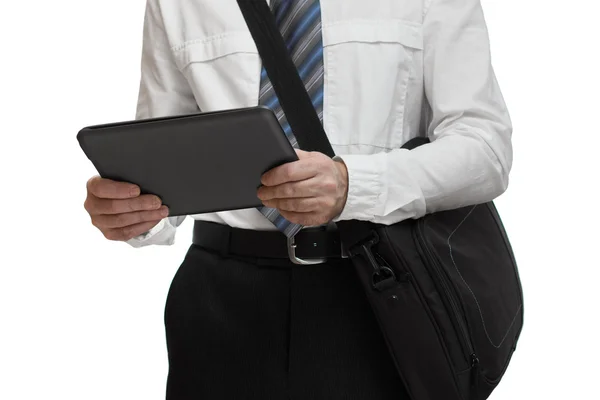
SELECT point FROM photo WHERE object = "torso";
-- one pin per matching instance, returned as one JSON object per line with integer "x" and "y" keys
{"x": 373, "y": 72}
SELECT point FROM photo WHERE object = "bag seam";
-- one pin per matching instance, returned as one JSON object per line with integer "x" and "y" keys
{"x": 471, "y": 290}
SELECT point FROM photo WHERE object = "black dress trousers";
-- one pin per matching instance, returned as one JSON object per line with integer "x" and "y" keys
{"x": 241, "y": 328}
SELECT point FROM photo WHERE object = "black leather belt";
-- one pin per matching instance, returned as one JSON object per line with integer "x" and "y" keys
{"x": 309, "y": 246}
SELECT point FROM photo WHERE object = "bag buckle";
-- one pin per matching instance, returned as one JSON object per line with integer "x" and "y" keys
{"x": 291, "y": 245}
{"x": 383, "y": 276}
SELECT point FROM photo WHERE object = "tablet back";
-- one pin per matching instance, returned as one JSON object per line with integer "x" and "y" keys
{"x": 195, "y": 163}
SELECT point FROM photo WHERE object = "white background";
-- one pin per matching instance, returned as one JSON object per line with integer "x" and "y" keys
{"x": 82, "y": 318}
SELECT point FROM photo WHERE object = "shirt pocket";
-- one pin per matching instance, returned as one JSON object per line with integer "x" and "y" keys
{"x": 222, "y": 70}
{"x": 368, "y": 65}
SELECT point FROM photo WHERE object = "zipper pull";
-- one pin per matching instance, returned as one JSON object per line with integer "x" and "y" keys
{"x": 475, "y": 369}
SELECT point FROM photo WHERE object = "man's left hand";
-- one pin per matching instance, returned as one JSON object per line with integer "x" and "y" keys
{"x": 311, "y": 191}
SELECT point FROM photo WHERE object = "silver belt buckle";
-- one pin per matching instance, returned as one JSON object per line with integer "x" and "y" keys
{"x": 291, "y": 245}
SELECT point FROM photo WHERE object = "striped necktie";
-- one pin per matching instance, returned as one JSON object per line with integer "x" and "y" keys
{"x": 299, "y": 22}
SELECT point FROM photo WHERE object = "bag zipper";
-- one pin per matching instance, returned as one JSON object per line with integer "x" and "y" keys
{"x": 455, "y": 313}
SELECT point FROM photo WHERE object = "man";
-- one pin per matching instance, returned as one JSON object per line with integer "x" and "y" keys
{"x": 244, "y": 320}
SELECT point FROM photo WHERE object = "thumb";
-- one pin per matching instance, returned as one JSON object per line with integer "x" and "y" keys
{"x": 303, "y": 154}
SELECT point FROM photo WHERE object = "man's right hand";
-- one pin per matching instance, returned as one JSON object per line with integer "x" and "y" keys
{"x": 119, "y": 211}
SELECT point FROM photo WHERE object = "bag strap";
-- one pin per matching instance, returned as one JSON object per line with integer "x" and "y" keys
{"x": 298, "y": 108}
{"x": 283, "y": 74}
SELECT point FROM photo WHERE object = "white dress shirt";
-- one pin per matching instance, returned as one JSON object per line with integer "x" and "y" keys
{"x": 394, "y": 70}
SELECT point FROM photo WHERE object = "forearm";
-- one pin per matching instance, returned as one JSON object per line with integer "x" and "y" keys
{"x": 453, "y": 171}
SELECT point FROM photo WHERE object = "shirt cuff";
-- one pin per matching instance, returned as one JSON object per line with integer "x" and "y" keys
{"x": 162, "y": 233}
{"x": 364, "y": 186}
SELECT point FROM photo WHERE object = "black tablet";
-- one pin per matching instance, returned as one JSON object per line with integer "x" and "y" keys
{"x": 195, "y": 163}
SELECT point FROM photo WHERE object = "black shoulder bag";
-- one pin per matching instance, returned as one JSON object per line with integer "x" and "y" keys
{"x": 445, "y": 288}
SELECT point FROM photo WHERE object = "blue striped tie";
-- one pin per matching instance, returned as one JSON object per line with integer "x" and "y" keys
{"x": 299, "y": 22}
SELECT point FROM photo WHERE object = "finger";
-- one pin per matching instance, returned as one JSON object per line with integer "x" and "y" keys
{"x": 306, "y": 188}
{"x": 291, "y": 172}
{"x": 141, "y": 203}
{"x": 304, "y": 205}
{"x": 107, "y": 221}
{"x": 129, "y": 232}
{"x": 109, "y": 189}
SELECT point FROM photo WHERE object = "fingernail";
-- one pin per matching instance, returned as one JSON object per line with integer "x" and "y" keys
{"x": 165, "y": 211}
{"x": 135, "y": 191}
